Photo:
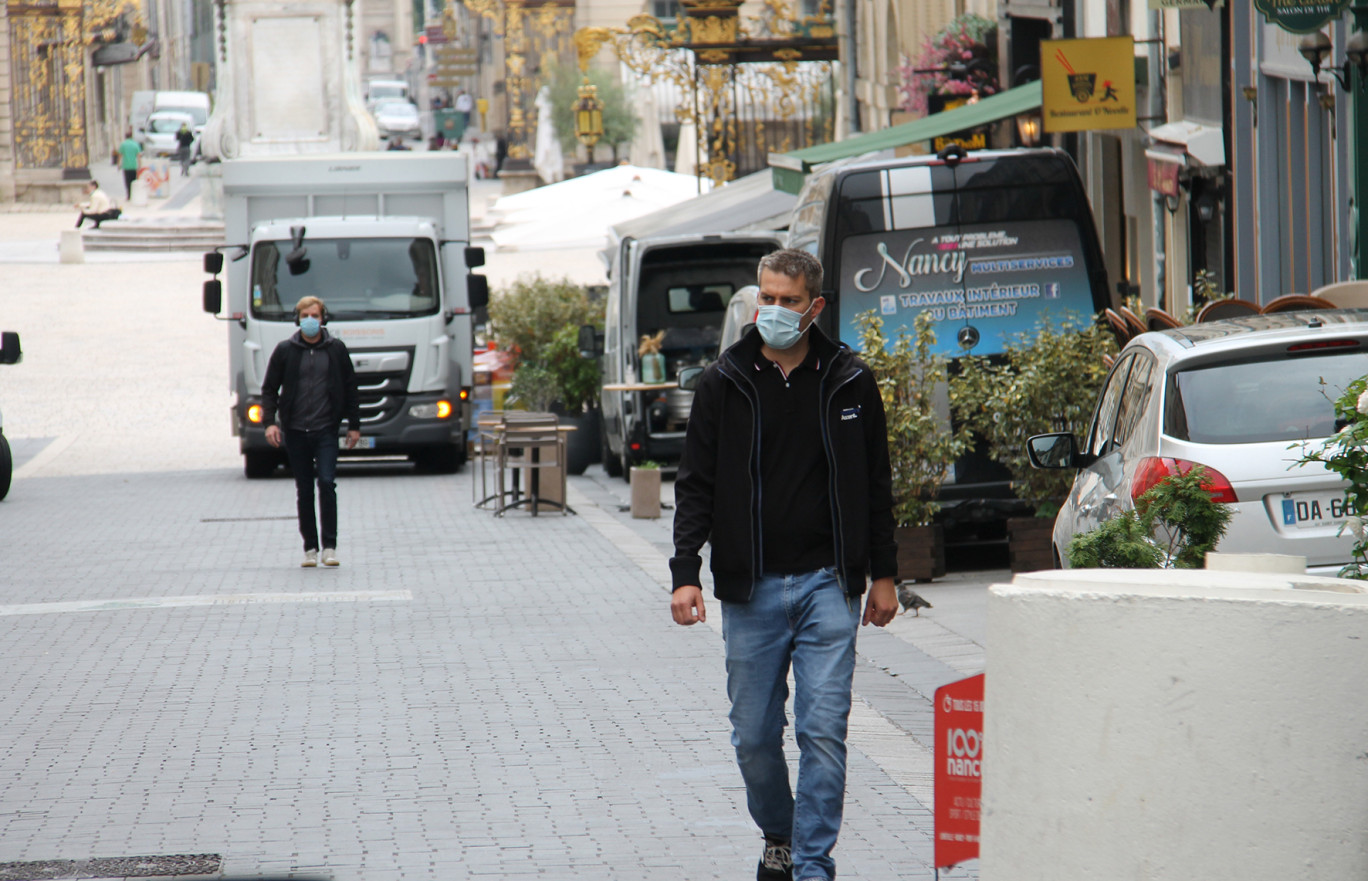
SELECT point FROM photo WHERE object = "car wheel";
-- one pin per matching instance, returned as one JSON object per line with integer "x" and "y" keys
{"x": 257, "y": 464}
{"x": 6, "y": 467}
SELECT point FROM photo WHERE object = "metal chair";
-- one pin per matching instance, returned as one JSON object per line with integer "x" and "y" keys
{"x": 529, "y": 444}
{"x": 1120, "y": 328}
{"x": 1132, "y": 320}
{"x": 1158, "y": 319}
{"x": 487, "y": 426}
{"x": 1231, "y": 307}
{"x": 1295, "y": 302}
{"x": 1351, "y": 294}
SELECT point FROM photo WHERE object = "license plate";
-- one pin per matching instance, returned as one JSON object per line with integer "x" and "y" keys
{"x": 365, "y": 443}
{"x": 1315, "y": 510}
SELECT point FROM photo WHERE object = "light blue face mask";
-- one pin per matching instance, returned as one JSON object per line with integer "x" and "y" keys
{"x": 309, "y": 326}
{"x": 780, "y": 328}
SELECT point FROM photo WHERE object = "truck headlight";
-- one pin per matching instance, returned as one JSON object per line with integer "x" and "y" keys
{"x": 254, "y": 414}
{"x": 439, "y": 410}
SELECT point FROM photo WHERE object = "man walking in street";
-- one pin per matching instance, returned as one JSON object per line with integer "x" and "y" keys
{"x": 311, "y": 385}
{"x": 786, "y": 473}
{"x": 128, "y": 161}
{"x": 185, "y": 139}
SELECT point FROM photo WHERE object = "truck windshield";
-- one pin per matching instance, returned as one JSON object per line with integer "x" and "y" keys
{"x": 358, "y": 279}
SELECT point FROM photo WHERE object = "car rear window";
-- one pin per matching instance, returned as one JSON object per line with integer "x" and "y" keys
{"x": 1258, "y": 400}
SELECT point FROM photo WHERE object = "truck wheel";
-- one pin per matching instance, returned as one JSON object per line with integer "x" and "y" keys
{"x": 612, "y": 466}
{"x": 445, "y": 459}
{"x": 6, "y": 467}
{"x": 258, "y": 464}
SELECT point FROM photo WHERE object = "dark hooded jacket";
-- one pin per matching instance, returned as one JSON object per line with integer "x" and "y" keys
{"x": 717, "y": 496}
{"x": 282, "y": 379}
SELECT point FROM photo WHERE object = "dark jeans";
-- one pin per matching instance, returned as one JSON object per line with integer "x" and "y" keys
{"x": 130, "y": 175}
{"x": 314, "y": 454}
{"x": 101, "y": 217}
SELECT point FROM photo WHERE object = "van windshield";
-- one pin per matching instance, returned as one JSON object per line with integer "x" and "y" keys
{"x": 999, "y": 244}
{"x": 357, "y": 279}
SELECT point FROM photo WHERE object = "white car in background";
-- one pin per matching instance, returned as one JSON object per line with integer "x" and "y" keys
{"x": 1240, "y": 397}
{"x": 159, "y": 138}
{"x": 398, "y": 119}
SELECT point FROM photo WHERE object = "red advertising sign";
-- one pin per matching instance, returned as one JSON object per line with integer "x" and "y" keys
{"x": 959, "y": 770}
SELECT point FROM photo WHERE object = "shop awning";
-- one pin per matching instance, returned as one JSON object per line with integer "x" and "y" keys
{"x": 789, "y": 169}
{"x": 745, "y": 204}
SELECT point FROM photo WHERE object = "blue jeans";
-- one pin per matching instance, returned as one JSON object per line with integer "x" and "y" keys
{"x": 807, "y": 621}
{"x": 314, "y": 453}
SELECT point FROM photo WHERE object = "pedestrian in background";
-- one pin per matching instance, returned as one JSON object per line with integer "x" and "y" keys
{"x": 311, "y": 385}
{"x": 129, "y": 151}
{"x": 463, "y": 105}
{"x": 96, "y": 207}
{"x": 184, "y": 138}
{"x": 786, "y": 474}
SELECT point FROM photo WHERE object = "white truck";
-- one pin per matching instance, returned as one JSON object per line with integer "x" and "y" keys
{"x": 676, "y": 288}
{"x": 384, "y": 241}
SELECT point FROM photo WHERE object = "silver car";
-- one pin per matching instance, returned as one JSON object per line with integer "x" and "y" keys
{"x": 1240, "y": 397}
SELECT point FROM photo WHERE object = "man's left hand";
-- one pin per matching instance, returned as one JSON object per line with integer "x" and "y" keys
{"x": 354, "y": 438}
{"x": 882, "y": 604}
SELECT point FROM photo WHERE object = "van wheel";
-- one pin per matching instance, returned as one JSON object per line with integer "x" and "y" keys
{"x": 611, "y": 464}
{"x": 257, "y": 464}
{"x": 6, "y": 467}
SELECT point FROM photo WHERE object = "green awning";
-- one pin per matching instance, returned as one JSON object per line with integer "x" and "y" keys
{"x": 791, "y": 168}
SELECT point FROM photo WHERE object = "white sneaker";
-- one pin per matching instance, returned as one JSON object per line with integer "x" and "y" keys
{"x": 330, "y": 557}
{"x": 310, "y": 559}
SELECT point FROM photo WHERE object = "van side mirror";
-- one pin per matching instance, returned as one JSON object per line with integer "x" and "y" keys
{"x": 477, "y": 290}
{"x": 690, "y": 377}
{"x": 213, "y": 262}
{"x": 10, "y": 350}
{"x": 590, "y": 341}
{"x": 474, "y": 257}
{"x": 213, "y": 296}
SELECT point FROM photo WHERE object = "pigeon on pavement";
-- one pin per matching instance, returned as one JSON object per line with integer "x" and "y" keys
{"x": 911, "y": 600}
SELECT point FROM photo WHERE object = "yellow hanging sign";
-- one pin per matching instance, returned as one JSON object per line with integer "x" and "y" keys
{"x": 1088, "y": 84}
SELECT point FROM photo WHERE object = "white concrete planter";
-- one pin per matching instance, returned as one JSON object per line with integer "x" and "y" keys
{"x": 646, "y": 493}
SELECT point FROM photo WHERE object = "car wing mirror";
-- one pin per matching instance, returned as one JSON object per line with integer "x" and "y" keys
{"x": 1053, "y": 451}
{"x": 690, "y": 377}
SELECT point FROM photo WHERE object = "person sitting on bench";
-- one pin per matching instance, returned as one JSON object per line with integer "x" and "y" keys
{"x": 97, "y": 206}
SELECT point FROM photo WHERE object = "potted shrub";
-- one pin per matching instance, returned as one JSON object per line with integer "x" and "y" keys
{"x": 921, "y": 445}
{"x": 1172, "y": 526}
{"x": 1046, "y": 380}
{"x": 537, "y": 320}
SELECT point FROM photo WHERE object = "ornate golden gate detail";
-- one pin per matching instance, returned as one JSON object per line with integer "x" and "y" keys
{"x": 776, "y": 67}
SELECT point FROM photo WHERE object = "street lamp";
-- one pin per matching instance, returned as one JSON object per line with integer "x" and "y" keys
{"x": 1315, "y": 48}
{"x": 588, "y": 115}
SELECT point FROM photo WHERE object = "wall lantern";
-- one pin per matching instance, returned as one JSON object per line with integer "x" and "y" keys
{"x": 1028, "y": 130}
{"x": 1316, "y": 48}
{"x": 588, "y": 115}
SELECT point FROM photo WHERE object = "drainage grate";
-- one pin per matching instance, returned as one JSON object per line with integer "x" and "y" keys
{"x": 243, "y": 519}
{"x": 113, "y": 867}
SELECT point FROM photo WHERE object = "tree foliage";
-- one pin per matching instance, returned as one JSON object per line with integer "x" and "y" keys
{"x": 620, "y": 122}
{"x": 1346, "y": 454}
{"x": 538, "y": 321}
{"x": 1172, "y": 526}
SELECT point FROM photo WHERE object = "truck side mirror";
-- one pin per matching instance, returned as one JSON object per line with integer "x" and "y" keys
{"x": 213, "y": 296}
{"x": 477, "y": 290}
{"x": 690, "y": 377}
{"x": 10, "y": 351}
{"x": 590, "y": 343}
{"x": 213, "y": 262}
{"x": 474, "y": 257}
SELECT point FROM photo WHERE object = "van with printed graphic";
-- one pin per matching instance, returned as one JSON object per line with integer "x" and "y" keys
{"x": 990, "y": 242}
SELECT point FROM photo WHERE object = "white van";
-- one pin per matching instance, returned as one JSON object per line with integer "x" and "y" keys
{"x": 194, "y": 103}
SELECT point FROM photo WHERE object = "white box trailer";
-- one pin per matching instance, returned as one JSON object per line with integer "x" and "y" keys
{"x": 384, "y": 241}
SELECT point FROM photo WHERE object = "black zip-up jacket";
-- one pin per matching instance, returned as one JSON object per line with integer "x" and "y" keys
{"x": 717, "y": 493}
{"x": 282, "y": 377}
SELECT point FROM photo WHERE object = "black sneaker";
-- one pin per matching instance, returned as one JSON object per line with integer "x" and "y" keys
{"x": 776, "y": 863}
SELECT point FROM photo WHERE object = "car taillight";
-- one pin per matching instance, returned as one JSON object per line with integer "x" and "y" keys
{"x": 1152, "y": 470}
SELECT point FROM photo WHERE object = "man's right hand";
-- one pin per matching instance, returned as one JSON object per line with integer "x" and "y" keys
{"x": 686, "y": 605}
{"x": 273, "y": 435}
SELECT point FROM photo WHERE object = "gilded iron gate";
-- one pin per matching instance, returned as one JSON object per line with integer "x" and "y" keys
{"x": 47, "y": 76}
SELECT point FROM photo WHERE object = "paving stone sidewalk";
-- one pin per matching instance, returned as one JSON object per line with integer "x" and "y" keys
{"x": 465, "y": 697}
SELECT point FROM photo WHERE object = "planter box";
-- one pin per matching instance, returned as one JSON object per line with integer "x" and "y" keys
{"x": 1029, "y": 543}
{"x": 921, "y": 552}
{"x": 646, "y": 493}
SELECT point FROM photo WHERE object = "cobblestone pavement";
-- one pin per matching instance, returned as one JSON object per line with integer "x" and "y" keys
{"x": 465, "y": 697}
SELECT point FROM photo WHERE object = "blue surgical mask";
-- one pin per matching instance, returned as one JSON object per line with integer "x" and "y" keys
{"x": 780, "y": 328}
{"x": 309, "y": 326}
